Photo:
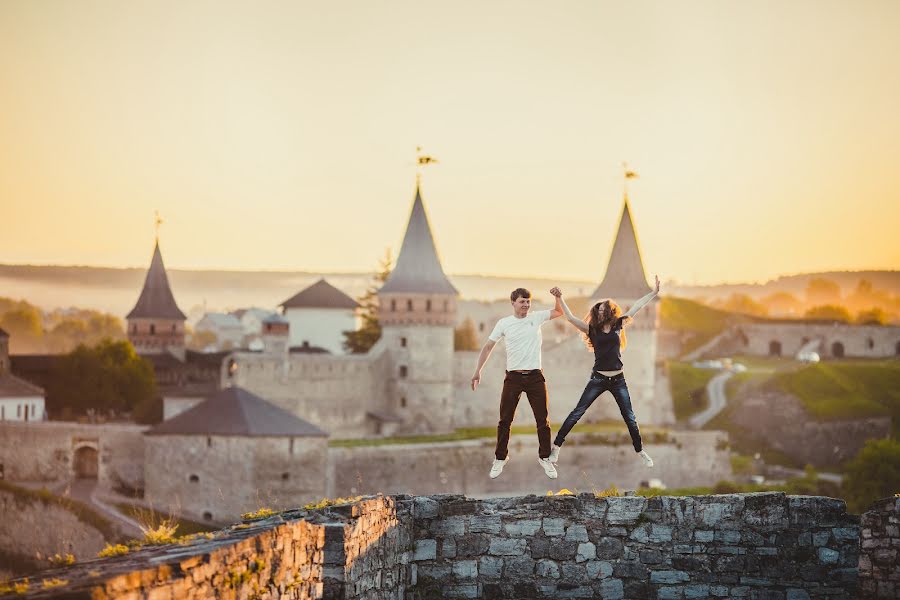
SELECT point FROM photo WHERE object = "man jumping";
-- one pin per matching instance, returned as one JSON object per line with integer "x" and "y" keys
{"x": 523, "y": 374}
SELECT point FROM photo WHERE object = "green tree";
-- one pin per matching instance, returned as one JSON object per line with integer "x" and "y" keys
{"x": 742, "y": 303}
{"x": 109, "y": 378}
{"x": 873, "y": 316}
{"x": 23, "y": 324}
{"x": 873, "y": 474}
{"x": 465, "y": 337}
{"x": 822, "y": 291}
{"x": 362, "y": 339}
{"x": 828, "y": 312}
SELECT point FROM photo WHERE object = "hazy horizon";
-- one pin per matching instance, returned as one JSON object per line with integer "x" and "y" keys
{"x": 767, "y": 142}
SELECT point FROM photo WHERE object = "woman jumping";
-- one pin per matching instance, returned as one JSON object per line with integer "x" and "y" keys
{"x": 604, "y": 332}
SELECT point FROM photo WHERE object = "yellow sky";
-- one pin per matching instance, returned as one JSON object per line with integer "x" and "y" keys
{"x": 281, "y": 135}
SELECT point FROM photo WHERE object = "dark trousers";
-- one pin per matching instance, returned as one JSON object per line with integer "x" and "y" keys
{"x": 598, "y": 384}
{"x": 535, "y": 387}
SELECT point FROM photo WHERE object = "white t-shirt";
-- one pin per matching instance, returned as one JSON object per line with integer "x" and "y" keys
{"x": 523, "y": 339}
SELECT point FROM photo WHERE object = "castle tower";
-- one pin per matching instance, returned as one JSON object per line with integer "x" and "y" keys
{"x": 276, "y": 335}
{"x": 156, "y": 324}
{"x": 417, "y": 312}
{"x": 4, "y": 353}
{"x": 625, "y": 282}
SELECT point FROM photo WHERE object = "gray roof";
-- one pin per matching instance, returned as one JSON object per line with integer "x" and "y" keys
{"x": 624, "y": 276}
{"x": 321, "y": 294}
{"x": 13, "y": 387}
{"x": 275, "y": 318}
{"x": 156, "y": 300}
{"x": 418, "y": 269}
{"x": 235, "y": 411}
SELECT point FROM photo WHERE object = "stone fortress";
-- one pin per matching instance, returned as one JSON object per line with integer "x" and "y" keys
{"x": 246, "y": 429}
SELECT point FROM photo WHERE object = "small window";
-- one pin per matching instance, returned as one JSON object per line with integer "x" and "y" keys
{"x": 207, "y": 516}
{"x": 403, "y": 342}
{"x": 134, "y": 328}
{"x": 870, "y": 343}
{"x": 152, "y": 329}
{"x": 285, "y": 476}
{"x": 209, "y": 442}
{"x": 18, "y": 410}
{"x": 403, "y": 402}
{"x": 403, "y": 371}
{"x": 481, "y": 327}
{"x": 174, "y": 328}
{"x": 193, "y": 478}
{"x": 291, "y": 446}
{"x": 232, "y": 367}
{"x": 409, "y": 305}
{"x": 393, "y": 305}
{"x": 428, "y": 306}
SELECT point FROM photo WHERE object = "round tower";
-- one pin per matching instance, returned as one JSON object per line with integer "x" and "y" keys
{"x": 417, "y": 312}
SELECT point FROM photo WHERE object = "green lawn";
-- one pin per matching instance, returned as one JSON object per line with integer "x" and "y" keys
{"x": 476, "y": 433}
{"x": 688, "y": 387}
{"x": 846, "y": 389}
{"x": 150, "y": 518}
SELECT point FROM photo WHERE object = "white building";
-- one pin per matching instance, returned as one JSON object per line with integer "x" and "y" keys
{"x": 228, "y": 329}
{"x": 318, "y": 315}
{"x": 19, "y": 400}
{"x": 252, "y": 319}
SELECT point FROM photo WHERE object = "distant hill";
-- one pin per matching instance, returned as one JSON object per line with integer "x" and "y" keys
{"x": 116, "y": 290}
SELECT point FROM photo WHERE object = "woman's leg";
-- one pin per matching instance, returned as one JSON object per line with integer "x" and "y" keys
{"x": 619, "y": 390}
{"x": 593, "y": 389}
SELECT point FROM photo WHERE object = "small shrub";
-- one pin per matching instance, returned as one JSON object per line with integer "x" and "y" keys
{"x": 562, "y": 492}
{"x": 62, "y": 560}
{"x": 113, "y": 550}
{"x": 610, "y": 491}
{"x": 164, "y": 533}
{"x": 52, "y": 583}
{"x": 260, "y": 514}
{"x": 331, "y": 502}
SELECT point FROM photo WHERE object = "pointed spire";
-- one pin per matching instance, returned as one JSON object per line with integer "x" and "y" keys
{"x": 156, "y": 300}
{"x": 624, "y": 276}
{"x": 418, "y": 267}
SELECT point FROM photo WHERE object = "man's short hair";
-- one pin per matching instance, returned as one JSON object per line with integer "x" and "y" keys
{"x": 519, "y": 293}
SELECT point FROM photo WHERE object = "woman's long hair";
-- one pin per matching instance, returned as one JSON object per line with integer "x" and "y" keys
{"x": 611, "y": 311}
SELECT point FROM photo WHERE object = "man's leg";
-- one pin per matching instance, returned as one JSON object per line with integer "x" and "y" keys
{"x": 536, "y": 389}
{"x": 591, "y": 391}
{"x": 509, "y": 399}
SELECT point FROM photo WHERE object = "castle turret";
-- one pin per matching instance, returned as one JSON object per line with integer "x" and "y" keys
{"x": 156, "y": 324}
{"x": 625, "y": 282}
{"x": 417, "y": 312}
{"x": 276, "y": 334}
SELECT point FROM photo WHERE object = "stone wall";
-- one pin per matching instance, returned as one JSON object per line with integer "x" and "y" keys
{"x": 332, "y": 392}
{"x": 45, "y": 451}
{"x": 749, "y": 545}
{"x": 217, "y": 478}
{"x": 414, "y": 548}
{"x": 587, "y": 462}
{"x": 861, "y": 341}
{"x": 879, "y": 560}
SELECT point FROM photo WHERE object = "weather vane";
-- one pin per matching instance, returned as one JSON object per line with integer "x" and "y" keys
{"x": 422, "y": 160}
{"x": 628, "y": 174}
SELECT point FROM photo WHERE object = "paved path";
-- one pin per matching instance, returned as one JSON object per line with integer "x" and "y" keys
{"x": 715, "y": 391}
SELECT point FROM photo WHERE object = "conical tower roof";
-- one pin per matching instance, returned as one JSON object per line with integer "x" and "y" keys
{"x": 624, "y": 276}
{"x": 156, "y": 300}
{"x": 418, "y": 269}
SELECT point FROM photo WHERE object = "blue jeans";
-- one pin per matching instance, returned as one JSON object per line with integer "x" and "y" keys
{"x": 597, "y": 385}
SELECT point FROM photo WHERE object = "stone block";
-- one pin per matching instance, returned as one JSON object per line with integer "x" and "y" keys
{"x": 465, "y": 569}
{"x": 576, "y": 533}
{"x": 523, "y": 528}
{"x": 490, "y": 566}
{"x": 484, "y": 524}
{"x": 425, "y": 550}
{"x": 519, "y": 567}
{"x": 598, "y": 569}
{"x": 610, "y": 548}
{"x": 554, "y": 527}
{"x": 562, "y": 550}
{"x": 586, "y": 551}
{"x": 612, "y": 589}
{"x": 668, "y": 577}
{"x": 507, "y": 547}
{"x": 547, "y": 568}
{"x": 624, "y": 510}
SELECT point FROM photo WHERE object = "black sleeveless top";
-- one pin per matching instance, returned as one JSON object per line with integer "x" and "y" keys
{"x": 607, "y": 347}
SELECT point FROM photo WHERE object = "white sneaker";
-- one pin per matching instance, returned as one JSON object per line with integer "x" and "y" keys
{"x": 554, "y": 454}
{"x": 549, "y": 469}
{"x": 647, "y": 460}
{"x": 497, "y": 467}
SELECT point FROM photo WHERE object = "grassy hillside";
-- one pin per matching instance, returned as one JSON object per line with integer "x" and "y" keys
{"x": 696, "y": 322}
{"x": 846, "y": 389}
{"x": 688, "y": 386}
